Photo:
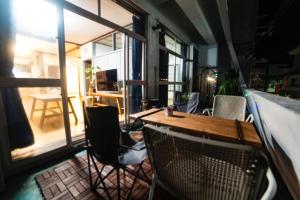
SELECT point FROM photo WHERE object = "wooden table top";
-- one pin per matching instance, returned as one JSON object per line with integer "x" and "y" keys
{"x": 143, "y": 113}
{"x": 211, "y": 126}
{"x": 104, "y": 94}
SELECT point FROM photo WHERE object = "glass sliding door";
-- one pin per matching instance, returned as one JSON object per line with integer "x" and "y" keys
{"x": 57, "y": 53}
{"x": 134, "y": 68}
{"x": 36, "y": 59}
{"x": 88, "y": 52}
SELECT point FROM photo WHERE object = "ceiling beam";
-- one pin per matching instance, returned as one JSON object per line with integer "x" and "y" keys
{"x": 194, "y": 12}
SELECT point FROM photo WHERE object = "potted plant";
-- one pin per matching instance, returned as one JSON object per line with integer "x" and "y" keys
{"x": 90, "y": 73}
{"x": 229, "y": 86}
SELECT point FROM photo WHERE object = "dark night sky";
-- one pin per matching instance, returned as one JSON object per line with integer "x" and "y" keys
{"x": 285, "y": 29}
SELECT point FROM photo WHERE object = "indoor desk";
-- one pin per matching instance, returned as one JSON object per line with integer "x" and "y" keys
{"x": 55, "y": 110}
{"x": 212, "y": 127}
{"x": 118, "y": 98}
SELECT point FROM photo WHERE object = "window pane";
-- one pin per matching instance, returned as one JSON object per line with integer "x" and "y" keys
{"x": 134, "y": 98}
{"x": 36, "y": 48}
{"x": 171, "y": 69}
{"x": 178, "y": 88}
{"x": 44, "y": 111}
{"x": 104, "y": 45}
{"x": 170, "y": 88}
{"x": 170, "y": 43}
{"x": 119, "y": 42}
{"x": 179, "y": 69}
{"x": 170, "y": 98}
{"x": 178, "y": 48}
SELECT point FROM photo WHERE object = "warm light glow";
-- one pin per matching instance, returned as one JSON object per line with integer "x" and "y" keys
{"x": 211, "y": 79}
{"x": 35, "y": 17}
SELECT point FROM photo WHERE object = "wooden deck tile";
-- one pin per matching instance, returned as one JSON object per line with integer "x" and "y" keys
{"x": 70, "y": 180}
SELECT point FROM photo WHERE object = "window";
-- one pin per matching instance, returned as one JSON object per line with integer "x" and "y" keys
{"x": 172, "y": 74}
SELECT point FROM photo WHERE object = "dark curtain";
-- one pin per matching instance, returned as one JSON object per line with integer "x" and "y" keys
{"x": 138, "y": 26}
{"x": 163, "y": 71}
{"x": 19, "y": 130}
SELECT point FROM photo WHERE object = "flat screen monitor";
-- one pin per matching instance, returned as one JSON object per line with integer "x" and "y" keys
{"x": 107, "y": 80}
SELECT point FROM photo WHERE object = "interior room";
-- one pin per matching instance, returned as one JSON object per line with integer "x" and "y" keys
{"x": 92, "y": 46}
{"x": 161, "y": 99}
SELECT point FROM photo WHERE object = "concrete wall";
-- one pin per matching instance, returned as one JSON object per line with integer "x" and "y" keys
{"x": 278, "y": 121}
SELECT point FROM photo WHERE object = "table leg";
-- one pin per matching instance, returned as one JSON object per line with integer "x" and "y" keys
{"x": 119, "y": 106}
{"x": 43, "y": 113}
{"x": 32, "y": 108}
{"x": 93, "y": 100}
{"x": 73, "y": 111}
{"x": 58, "y": 105}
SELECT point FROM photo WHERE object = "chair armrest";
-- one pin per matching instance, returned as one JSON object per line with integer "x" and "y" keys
{"x": 132, "y": 126}
{"x": 250, "y": 118}
{"x": 208, "y": 111}
{"x": 272, "y": 186}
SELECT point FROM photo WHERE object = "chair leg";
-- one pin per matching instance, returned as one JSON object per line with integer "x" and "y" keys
{"x": 101, "y": 179}
{"x": 147, "y": 179}
{"x": 118, "y": 184}
{"x": 134, "y": 181}
{"x": 152, "y": 189}
{"x": 89, "y": 166}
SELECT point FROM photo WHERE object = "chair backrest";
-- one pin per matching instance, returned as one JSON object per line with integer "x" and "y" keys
{"x": 177, "y": 98}
{"x": 197, "y": 168}
{"x": 193, "y": 103}
{"x": 229, "y": 107}
{"x": 103, "y": 131}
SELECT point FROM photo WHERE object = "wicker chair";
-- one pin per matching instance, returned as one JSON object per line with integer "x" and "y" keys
{"x": 195, "y": 168}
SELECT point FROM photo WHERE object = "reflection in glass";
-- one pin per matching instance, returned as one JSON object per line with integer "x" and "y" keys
{"x": 36, "y": 47}
{"x": 44, "y": 111}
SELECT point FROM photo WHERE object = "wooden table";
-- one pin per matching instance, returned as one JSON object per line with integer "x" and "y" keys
{"x": 144, "y": 113}
{"x": 47, "y": 98}
{"x": 212, "y": 127}
{"x": 117, "y": 97}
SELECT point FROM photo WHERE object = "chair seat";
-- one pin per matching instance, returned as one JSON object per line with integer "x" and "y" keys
{"x": 132, "y": 156}
{"x": 205, "y": 179}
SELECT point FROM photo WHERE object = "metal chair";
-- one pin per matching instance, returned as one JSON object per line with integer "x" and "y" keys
{"x": 191, "y": 167}
{"x": 109, "y": 145}
{"x": 191, "y": 106}
{"x": 229, "y": 107}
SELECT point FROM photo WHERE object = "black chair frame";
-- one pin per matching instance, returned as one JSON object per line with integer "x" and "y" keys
{"x": 92, "y": 158}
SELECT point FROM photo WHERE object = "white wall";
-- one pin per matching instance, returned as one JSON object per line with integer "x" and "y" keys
{"x": 111, "y": 60}
{"x": 86, "y": 51}
{"x": 208, "y": 55}
{"x": 100, "y": 49}
{"x": 278, "y": 121}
